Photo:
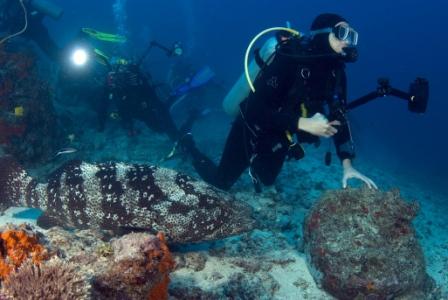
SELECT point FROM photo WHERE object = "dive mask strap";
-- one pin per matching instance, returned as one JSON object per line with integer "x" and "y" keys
{"x": 319, "y": 31}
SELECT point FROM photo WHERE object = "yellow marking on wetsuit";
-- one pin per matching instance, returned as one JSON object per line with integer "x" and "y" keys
{"x": 304, "y": 110}
{"x": 289, "y": 136}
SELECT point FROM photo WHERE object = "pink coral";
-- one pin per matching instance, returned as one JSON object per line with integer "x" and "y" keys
{"x": 51, "y": 280}
{"x": 7, "y": 131}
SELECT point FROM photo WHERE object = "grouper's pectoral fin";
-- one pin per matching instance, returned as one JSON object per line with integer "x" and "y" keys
{"x": 46, "y": 221}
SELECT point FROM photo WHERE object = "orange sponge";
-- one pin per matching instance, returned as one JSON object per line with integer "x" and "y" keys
{"x": 16, "y": 246}
{"x": 164, "y": 262}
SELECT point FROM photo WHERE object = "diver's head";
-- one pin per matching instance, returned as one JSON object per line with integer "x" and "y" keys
{"x": 331, "y": 34}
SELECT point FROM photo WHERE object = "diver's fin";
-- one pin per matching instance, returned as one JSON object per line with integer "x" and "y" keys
{"x": 204, "y": 75}
{"x": 173, "y": 101}
{"x": 46, "y": 221}
{"x": 180, "y": 147}
{"x": 172, "y": 153}
{"x": 103, "y": 36}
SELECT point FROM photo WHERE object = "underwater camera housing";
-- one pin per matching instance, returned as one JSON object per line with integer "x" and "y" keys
{"x": 175, "y": 50}
{"x": 417, "y": 96}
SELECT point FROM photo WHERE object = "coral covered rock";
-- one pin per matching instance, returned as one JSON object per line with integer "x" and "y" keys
{"x": 16, "y": 246}
{"x": 139, "y": 270}
{"x": 51, "y": 280}
{"x": 27, "y": 117}
{"x": 361, "y": 243}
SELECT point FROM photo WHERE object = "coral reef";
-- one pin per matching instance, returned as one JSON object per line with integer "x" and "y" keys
{"x": 140, "y": 268}
{"x": 27, "y": 118}
{"x": 225, "y": 278}
{"x": 134, "y": 266}
{"x": 252, "y": 266}
{"x": 8, "y": 131}
{"x": 361, "y": 243}
{"x": 83, "y": 264}
{"x": 52, "y": 280}
{"x": 17, "y": 246}
{"x": 192, "y": 260}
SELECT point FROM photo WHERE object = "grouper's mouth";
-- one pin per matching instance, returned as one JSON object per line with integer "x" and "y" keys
{"x": 241, "y": 222}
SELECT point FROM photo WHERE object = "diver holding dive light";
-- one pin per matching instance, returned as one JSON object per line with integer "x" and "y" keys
{"x": 126, "y": 89}
{"x": 135, "y": 95}
{"x": 299, "y": 95}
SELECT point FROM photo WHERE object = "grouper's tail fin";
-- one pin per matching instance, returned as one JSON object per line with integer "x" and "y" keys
{"x": 13, "y": 179}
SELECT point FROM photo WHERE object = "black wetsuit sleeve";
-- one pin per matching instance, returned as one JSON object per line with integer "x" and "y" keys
{"x": 343, "y": 138}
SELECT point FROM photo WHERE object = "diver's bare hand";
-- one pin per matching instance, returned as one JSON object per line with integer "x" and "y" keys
{"x": 350, "y": 172}
{"x": 318, "y": 125}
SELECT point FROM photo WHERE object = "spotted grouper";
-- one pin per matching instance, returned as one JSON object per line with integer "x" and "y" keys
{"x": 117, "y": 196}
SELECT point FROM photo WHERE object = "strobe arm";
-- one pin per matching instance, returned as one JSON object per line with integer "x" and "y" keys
{"x": 175, "y": 50}
{"x": 417, "y": 96}
{"x": 167, "y": 50}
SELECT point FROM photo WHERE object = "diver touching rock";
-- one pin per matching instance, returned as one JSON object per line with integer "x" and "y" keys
{"x": 299, "y": 96}
{"x": 303, "y": 77}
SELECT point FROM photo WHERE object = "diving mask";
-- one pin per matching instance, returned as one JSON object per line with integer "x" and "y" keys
{"x": 342, "y": 32}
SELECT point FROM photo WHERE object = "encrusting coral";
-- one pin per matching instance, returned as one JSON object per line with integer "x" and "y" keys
{"x": 137, "y": 266}
{"x": 361, "y": 243}
{"x": 139, "y": 270}
{"x": 51, "y": 280}
{"x": 162, "y": 260}
{"x": 17, "y": 246}
{"x": 28, "y": 123}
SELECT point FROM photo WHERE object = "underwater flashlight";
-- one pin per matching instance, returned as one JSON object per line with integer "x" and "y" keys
{"x": 79, "y": 57}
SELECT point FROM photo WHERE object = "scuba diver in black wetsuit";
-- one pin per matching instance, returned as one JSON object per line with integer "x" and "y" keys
{"x": 25, "y": 17}
{"x": 299, "y": 95}
{"x": 135, "y": 98}
{"x": 127, "y": 92}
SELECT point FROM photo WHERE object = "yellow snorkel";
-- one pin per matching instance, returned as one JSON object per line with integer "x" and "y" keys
{"x": 249, "y": 48}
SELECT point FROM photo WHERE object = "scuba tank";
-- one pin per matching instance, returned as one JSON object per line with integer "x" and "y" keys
{"x": 47, "y": 8}
{"x": 241, "y": 89}
{"x": 244, "y": 84}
